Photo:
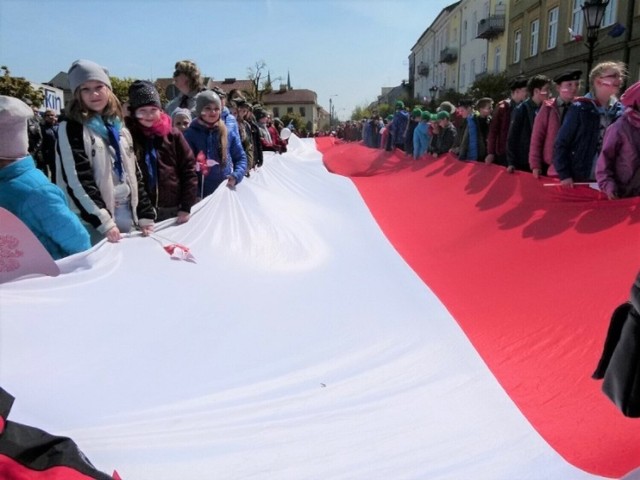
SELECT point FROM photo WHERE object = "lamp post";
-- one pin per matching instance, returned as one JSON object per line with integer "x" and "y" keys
{"x": 593, "y": 11}
{"x": 433, "y": 91}
{"x": 331, "y": 110}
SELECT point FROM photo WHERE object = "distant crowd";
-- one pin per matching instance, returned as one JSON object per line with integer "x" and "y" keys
{"x": 577, "y": 139}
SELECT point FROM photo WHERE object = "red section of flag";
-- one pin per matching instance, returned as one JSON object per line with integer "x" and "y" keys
{"x": 531, "y": 273}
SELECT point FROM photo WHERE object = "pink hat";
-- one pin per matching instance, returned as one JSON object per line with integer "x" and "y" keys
{"x": 631, "y": 96}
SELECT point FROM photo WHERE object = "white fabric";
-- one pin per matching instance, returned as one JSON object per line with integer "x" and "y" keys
{"x": 299, "y": 346}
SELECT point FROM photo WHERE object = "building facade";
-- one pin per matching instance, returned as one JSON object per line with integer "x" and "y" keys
{"x": 547, "y": 37}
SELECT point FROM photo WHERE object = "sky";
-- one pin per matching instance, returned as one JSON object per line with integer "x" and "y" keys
{"x": 346, "y": 50}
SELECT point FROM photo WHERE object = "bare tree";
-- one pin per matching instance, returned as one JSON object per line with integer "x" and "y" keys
{"x": 261, "y": 85}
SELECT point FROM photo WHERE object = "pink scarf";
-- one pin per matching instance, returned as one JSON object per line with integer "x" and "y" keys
{"x": 159, "y": 129}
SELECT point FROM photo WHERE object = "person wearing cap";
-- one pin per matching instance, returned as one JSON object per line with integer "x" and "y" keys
{"x": 246, "y": 112}
{"x": 618, "y": 165}
{"x": 164, "y": 156}
{"x": 398, "y": 126}
{"x": 579, "y": 139}
{"x": 443, "y": 140}
{"x": 188, "y": 81}
{"x": 500, "y": 121}
{"x": 421, "y": 136}
{"x": 95, "y": 163}
{"x": 411, "y": 127}
{"x": 547, "y": 123}
{"x": 462, "y": 114}
{"x": 27, "y": 193}
{"x": 219, "y": 154}
{"x": 474, "y": 139}
{"x": 519, "y": 138}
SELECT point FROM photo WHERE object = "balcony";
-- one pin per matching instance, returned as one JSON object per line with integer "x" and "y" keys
{"x": 491, "y": 27}
{"x": 448, "y": 55}
{"x": 423, "y": 69}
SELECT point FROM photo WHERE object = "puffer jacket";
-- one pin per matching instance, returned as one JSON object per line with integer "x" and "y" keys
{"x": 577, "y": 142}
{"x": 203, "y": 139}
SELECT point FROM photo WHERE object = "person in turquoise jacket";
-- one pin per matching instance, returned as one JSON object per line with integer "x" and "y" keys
{"x": 421, "y": 136}
{"x": 28, "y": 194}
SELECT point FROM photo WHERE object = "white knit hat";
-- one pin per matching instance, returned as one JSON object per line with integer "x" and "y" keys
{"x": 14, "y": 139}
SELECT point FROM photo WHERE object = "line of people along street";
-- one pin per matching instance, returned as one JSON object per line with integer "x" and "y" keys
{"x": 125, "y": 167}
{"x": 576, "y": 139}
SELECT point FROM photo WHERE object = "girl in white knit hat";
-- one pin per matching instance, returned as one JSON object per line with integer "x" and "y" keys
{"x": 96, "y": 165}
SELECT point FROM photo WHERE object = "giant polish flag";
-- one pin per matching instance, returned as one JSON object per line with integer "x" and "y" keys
{"x": 401, "y": 320}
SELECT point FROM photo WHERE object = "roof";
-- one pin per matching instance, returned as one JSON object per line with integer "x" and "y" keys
{"x": 446, "y": 9}
{"x": 229, "y": 84}
{"x": 61, "y": 80}
{"x": 300, "y": 95}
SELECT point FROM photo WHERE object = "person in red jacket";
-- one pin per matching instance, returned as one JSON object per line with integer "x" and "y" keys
{"x": 499, "y": 127}
{"x": 548, "y": 121}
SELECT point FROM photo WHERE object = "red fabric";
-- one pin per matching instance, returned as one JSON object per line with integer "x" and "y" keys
{"x": 12, "y": 470}
{"x": 531, "y": 273}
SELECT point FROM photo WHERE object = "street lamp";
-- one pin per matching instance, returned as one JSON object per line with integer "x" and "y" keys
{"x": 331, "y": 110}
{"x": 593, "y": 11}
{"x": 433, "y": 91}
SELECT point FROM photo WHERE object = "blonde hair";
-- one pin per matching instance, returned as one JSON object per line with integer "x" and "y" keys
{"x": 600, "y": 68}
{"x": 79, "y": 112}
{"x": 192, "y": 73}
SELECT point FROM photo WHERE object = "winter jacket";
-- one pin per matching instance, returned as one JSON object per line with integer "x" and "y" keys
{"x": 578, "y": 139}
{"x": 519, "y": 139}
{"x": 619, "y": 159}
{"x": 187, "y": 101}
{"x": 399, "y": 126}
{"x": 177, "y": 183}
{"x": 421, "y": 139}
{"x": 203, "y": 139}
{"x": 481, "y": 129}
{"x": 499, "y": 128}
{"x": 84, "y": 169}
{"x": 543, "y": 137}
{"x": 257, "y": 145}
{"x": 42, "y": 206}
{"x": 408, "y": 136}
{"x": 442, "y": 141}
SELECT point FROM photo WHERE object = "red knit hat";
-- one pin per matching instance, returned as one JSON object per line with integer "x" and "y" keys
{"x": 631, "y": 97}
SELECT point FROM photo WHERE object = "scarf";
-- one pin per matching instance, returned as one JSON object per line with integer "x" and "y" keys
{"x": 109, "y": 129}
{"x": 159, "y": 129}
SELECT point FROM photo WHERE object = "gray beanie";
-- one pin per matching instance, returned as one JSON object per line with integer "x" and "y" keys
{"x": 84, "y": 70}
{"x": 204, "y": 98}
{"x": 143, "y": 93}
{"x": 185, "y": 112}
{"x": 14, "y": 139}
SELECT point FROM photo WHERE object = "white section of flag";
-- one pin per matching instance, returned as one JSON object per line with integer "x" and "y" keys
{"x": 299, "y": 346}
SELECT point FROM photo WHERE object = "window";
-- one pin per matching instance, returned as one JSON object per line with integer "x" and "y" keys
{"x": 289, "y": 110}
{"x": 472, "y": 71}
{"x": 498, "y": 55}
{"x": 303, "y": 112}
{"x": 483, "y": 63}
{"x": 486, "y": 10}
{"x": 463, "y": 75}
{"x": 577, "y": 17}
{"x": 609, "y": 17}
{"x": 465, "y": 28}
{"x": 276, "y": 112}
{"x": 552, "y": 32}
{"x": 517, "y": 42}
{"x": 535, "y": 34}
{"x": 475, "y": 24}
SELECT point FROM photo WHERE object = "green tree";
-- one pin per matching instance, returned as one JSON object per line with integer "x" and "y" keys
{"x": 495, "y": 86}
{"x": 298, "y": 122}
{"x": 359, "y": 113}
{"x": 120, "y": 87}
{"x": 19, "y": 87}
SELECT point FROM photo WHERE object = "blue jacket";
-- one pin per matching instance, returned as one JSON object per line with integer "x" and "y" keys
{"x": 41, "y": 206}
{"x": 578, "y": 142}
{"x": 206, "y": 140}
{"x": 420, "y": 139}
{"x": 399, "y": 126}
